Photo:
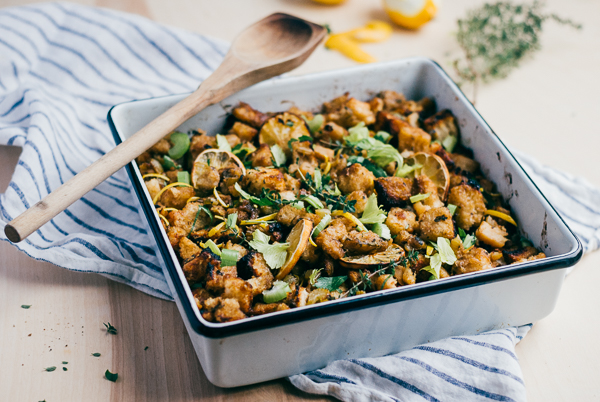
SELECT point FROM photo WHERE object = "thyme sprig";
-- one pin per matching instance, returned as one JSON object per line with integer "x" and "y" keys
{"x": 496, "y": 37}
{"x": 335, "y": 201}
{"x": 390, "y": 269}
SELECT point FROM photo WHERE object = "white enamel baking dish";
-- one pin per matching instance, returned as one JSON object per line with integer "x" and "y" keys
{"x": 375, "y": 324}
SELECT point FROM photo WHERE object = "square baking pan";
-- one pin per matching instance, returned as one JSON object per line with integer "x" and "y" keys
{"x": 279, "y": 344}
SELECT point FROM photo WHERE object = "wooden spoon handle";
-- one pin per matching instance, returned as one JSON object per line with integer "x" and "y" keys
{"x": 228, "y": 79}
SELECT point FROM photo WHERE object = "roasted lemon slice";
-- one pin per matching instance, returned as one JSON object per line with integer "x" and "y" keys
{"x": 215, "y": 158}
{"x": 432, "y": 166}
{"x": 279, "y": 130}
{"x": 372, "y": 261}
{"x": 298, "y": 239}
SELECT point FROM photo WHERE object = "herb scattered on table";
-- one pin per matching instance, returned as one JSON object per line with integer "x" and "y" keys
{"x": 496, "y": 37}
{"x": 65, "y": 362}
{"x": 111, "y": 376}
{"x": 96, "y": 354}
{"x": 25, "y": 306}
{"x": 52, "y": 368}
{"x": 146, "y": 348}
{"x": 65, "y": 369}
{"x": 110, "y": 329}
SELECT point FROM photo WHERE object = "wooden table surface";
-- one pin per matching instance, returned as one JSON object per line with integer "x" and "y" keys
{"x": 547, "y": 108}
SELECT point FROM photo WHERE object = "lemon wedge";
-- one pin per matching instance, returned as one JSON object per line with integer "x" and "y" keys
{"x": 411, "y": 14}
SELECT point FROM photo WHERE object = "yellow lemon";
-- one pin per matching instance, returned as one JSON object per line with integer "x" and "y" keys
{"x": 411, "y": 14}
{"x": 330, "y": 2}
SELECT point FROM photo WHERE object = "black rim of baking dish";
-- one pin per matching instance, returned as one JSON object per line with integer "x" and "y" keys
{"x": 320, "y": 310}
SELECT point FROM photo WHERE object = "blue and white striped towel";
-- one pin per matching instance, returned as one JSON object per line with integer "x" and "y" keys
{"x": 63, "y": 66}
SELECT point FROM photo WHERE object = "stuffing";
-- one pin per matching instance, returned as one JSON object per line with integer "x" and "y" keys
{"x": 331, "y": 239}
{"x": 263, "y": 178}
{"x": 393, "y": 191}
{"x": 249, "y": 116}
{"x": 470, "y": 206}
{"x": 366, "y": 242}
{"x": 491, "y": 233}
{"x": 244, "y": 132}
{"x": 356, "y": 178}
{"x": 474, "y": 259}
{"x": 436, "y": 222}
{"x": 400, "y": 220}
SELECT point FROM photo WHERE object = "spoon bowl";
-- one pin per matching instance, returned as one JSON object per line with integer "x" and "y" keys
{"x": 276, "y": 37}
{"x": 270, "y": 47}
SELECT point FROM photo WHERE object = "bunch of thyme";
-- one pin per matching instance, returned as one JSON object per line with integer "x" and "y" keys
{"x": 496, "y": 37}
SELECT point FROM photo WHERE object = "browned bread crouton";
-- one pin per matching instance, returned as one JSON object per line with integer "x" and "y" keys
{"x": 356, "y": 177}
{"x": 470, "y": 203}
{"x": 243, "y": 131}
{"x": 331, "y": 239}
{"x": 251, "y": 117}
{"x": 399, "y": 220}
{"x": 491, "y": 233}
{"x": 228, "y": 310}
{"x": 474, "y": 259}
{"x": 436, "y": 222}
{"x": 393, "y": 191}
{"x": 522, "y": 254}
{"x": 366, "y": 242}
{"x": 256, "y": 180}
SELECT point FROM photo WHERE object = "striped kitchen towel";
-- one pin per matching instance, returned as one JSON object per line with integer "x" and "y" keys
{"x": 63, "y": 66}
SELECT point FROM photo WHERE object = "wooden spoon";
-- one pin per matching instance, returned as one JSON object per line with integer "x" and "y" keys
{"x": 270, "y": 47}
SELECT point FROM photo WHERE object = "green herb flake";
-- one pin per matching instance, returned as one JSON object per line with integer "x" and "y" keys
{"x": 50, "y": 369}
{"x": 318, "y": 179}
{"x": 169, "y": 163}
{"x": 65, "y": 362}
{"x": 96, "y": 354}
{"x": 330, "y": 283}
{"x": 383, "y": 136}
{"x": 65, "y": 369}
{"x": 445, "y": 250}
{"x": 314, "y": 201}
{"x": 322, "y": 225}
{"x": 213, "y": 247}
{"x": 111, "y": 376}
{"x": 434, "y": 274}
{"x": 372, "y": 213}
{"x": 469, "y": 241}
{"x": 229, "y": 258}
{"x": 314, "y": 275}
{"x": 274, "y": 254}
{"x": 183, "y": 177}
{"x": 222, "y": 143}
{"x": 278, "y": 292}
{"x": 278, "y": 156}
{"x": 405, "y": 169}
{"x": 25, "y": 306}
{"x": 450, "y": 142}
{"x": 419, "y": 197}
{"x": 315, "y": 123}
{"x": 452, "y": 209}
{"x": 231, "y": 221}
{"x": 382, "y": 230}
{"x": 110, "y": 329}
{"x": 181, "y": 144}
{"x": 146, "y": 348}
